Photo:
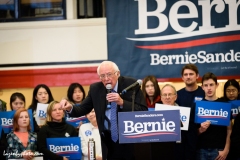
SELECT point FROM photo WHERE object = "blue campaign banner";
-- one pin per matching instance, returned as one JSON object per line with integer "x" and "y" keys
{"x": 75, "y": 121}
{"x": 69, "y": 147}
{"x": 149, "y": 126}
{"x": 6, "y": 120}
{"x": 235, "y": 108}
{"x": 150, "y": 37}
{"x": 218, "y": 113}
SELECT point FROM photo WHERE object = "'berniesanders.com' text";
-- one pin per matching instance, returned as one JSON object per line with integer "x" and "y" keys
{"x": 149, "y": 115}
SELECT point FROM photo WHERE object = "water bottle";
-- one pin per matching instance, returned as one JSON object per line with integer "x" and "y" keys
{"x": 91, "y": 149}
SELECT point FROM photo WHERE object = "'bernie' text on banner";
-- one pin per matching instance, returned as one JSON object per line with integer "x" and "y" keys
{"x": 218, "y": 113}
{"x": 149, "y": 126}
{"x": 148, "y": 37}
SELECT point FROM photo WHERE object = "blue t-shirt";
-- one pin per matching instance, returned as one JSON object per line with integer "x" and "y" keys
{"x": 188, "y": 98}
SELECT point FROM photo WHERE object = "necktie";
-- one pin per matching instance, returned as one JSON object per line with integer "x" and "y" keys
{"x": 114, "y": 126}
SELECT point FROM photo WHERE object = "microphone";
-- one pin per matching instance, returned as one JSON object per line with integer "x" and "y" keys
{"x": 109, "y": 89}
{"x": 138, "y": 83}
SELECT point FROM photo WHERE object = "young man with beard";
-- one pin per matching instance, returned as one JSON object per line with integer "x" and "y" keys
{"x": 213, "y": 140}
{"x": 187, "y": 96}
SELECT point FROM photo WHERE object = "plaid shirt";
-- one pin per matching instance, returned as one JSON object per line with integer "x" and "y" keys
{"x": 15, "y": 146}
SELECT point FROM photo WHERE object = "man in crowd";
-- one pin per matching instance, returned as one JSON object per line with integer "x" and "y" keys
{"x": 213, "y": 140}
{"x": 98, "y": 99}
{"x": 187, "y": 96}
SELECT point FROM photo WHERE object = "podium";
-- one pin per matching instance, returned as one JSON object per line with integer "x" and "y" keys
{"x": 154, "y": 151}
{"x": 153, "y": 133}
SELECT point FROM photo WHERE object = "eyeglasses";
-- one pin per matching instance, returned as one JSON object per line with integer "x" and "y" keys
{"x": 231, "y": 91}
{"x": 108, "y": 75}
{"x": 170, "y": 95}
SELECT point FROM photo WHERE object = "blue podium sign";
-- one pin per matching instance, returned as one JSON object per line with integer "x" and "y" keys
{"x": 149, "y": 126}
{"x": 218, "y": 113}
{"x": 69, "y": 147}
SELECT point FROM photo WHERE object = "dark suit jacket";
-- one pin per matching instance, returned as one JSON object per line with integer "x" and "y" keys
{"x": 96, "y": 99}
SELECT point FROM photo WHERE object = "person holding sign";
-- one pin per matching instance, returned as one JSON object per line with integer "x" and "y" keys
{"x": 41, "y": 94}
{"x": 21, "y": 142}
{"x": 213, "y": 140}
{"x": 165, "y": 150}
{"x": 55, "y": 127}
{"x": 88, "y": 131}
{"x": 235, "y": 140}
{"x": 151, "y": 91}
{"x": 108, "y": 97}
{"x": 17, "y": 100}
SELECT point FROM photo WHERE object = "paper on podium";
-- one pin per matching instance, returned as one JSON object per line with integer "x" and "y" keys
{"x": 184, "y": 113}
{"x": 41, "y": 113}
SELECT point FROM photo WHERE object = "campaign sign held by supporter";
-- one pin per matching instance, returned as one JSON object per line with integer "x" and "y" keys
{"x": 69, "y": 147}
{"x": 235, "y": 108}
{"x": 218, "y": 113}
{"x": 75, "y": 121}
{"x": 6, "y": 120}
{"x": 184, "y": 113}
{"x": 149, "y": 126}
{"x": 41, "y": 113}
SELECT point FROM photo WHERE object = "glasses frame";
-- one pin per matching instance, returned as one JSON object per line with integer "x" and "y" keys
{"x": 108, "y": 75}
{"x": 231, "y": 91}
{"x": 170, "y": 95}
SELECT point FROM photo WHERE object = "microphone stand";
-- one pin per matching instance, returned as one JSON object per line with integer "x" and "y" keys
{"x": 133, "y": 99}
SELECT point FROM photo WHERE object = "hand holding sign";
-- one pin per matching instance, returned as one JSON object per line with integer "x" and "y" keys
{"x": 204, "y": 126}
{"x": 64, "y": 158}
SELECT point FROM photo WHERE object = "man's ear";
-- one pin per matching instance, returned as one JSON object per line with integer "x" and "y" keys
{"x": 197, "y": 76}
{"x": 118, "y": 73}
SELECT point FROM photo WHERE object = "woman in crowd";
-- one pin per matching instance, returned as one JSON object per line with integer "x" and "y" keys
{"x": 55, "y": 127}
{"x": 231, "y": 90}
{"x": 21, "y": 140}
{"x": 234, "y": 153}
{"x": 17, "y": 100}
{"x": 90, "y": 130}
{"x": 76, "y": 93}
{"x": 41, "y": 94}
{"x": 151, "y": 91}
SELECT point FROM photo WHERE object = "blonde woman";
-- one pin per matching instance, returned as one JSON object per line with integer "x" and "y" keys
{"x": 55, "y": 127}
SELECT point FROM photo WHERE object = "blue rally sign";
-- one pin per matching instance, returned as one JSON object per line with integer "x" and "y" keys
{"x": 67, "y": 147}
{"x": 75, "y": 121}
{"x": 6, "y": 120}
{"x": 235, "y": 108}
{"x": 149, "y": 37}
{"x": 149, "y": 126}
{"x": 217, "y": 113}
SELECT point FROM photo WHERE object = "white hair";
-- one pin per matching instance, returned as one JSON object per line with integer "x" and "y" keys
{"x": 115, "y": 67}
{"x": 171, "y": 87}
